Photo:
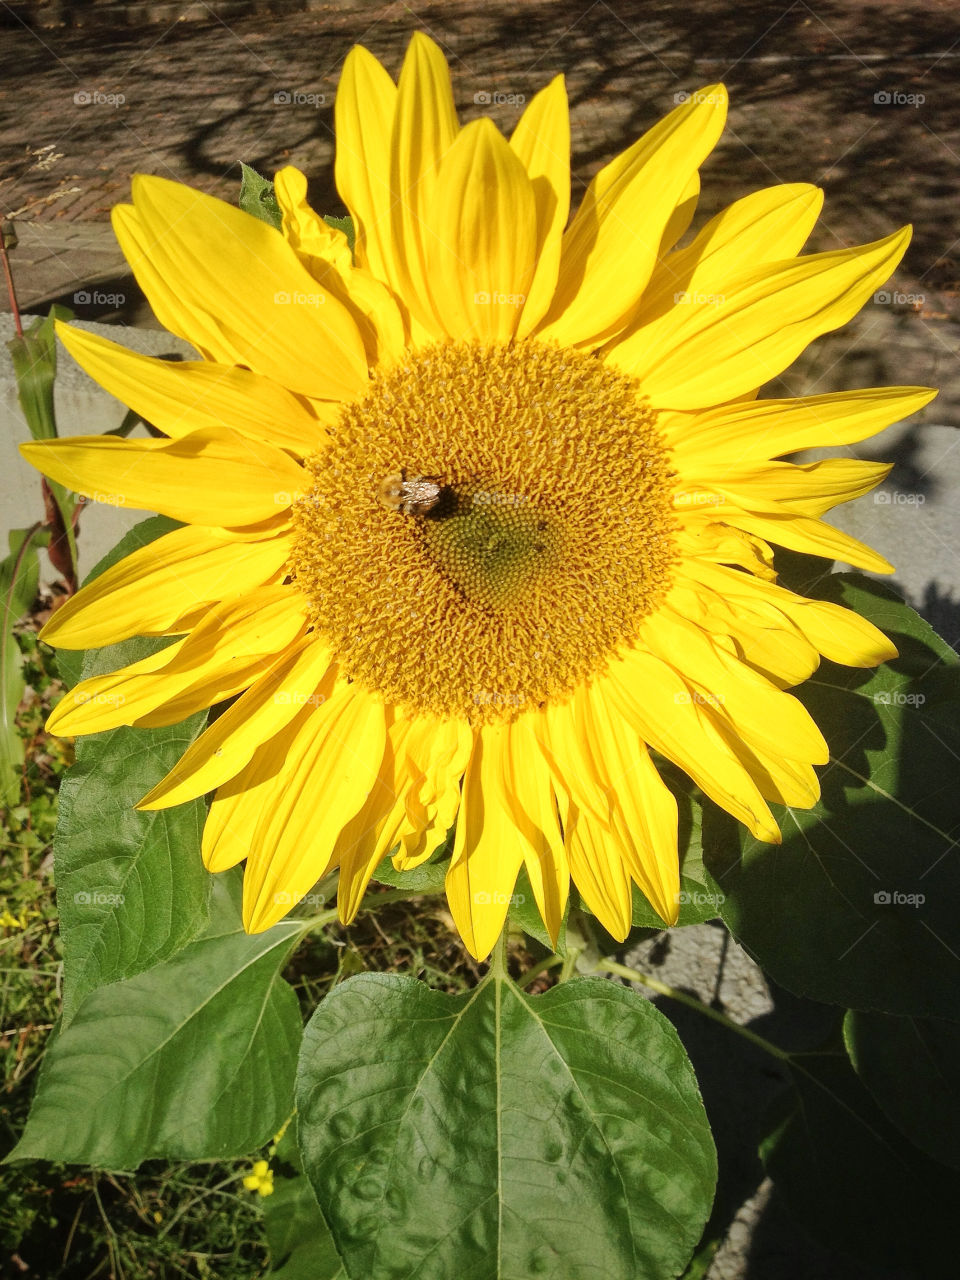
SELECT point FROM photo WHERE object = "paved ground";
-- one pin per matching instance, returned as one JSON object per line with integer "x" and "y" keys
{"x": 829, "y": 92}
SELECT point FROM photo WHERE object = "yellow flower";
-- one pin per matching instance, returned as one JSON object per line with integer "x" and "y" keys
{"x": 260, "y": 1179}
{"x": 476, "y": 517}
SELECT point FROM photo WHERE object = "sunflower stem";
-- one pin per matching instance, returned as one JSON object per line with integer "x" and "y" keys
{"x": 635, "y": 975}
{"x": 498, "y": 956}
{"x": 550, "y": 962}
{"x": 570, "y": 963}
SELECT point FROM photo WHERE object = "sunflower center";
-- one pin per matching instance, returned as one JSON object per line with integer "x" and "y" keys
{"x": 486, "y": 526}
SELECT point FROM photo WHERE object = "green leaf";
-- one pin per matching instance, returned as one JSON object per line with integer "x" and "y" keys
{"x": 497, "y": 1134}
{"x": 855, "y": 1183}
{"x": 193, "y": 1060}
{"x": 256, "y": 197}
{"x": 912, "y": 1068}
{"x": 858, "y": 905}
{"x": 19, "y": 580}
{"x": 131, "y": 886}
{"x": 301, "y": 1246}
{"x": 342, "y": 224}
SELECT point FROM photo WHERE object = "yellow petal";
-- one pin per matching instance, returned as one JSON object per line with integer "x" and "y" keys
{"x": 206, "y": 477}
{"x": 598, "y": 870}
{"x": 766, "y": 226}
{"x": 541, "y": 141}
{"x": 175, "y": 313}
{"x": 167, "y": 586}
{"x": 195, "y": 395}
{"x": 482, "y": 237}
{"x": 364, "y": 110}
{"x": 712, "y": 350}
{"x": 222, "y": 751}
{"x": 645, "y": 807}
{"x": 424, "y": 128}
{"x": 732, "y": 690}
{"x": 265, "y": 304}
{"x": 813, "y": 537}
{"x": 747, "y": 433}
{"x": 665, "y": 712}
{"x": 325, "y": 252}
{"x": 610, "y": 249}
{"x": 322, "y": 779}
{"x": 234, "y": 645}
{"x": 808, "y": 488}
{"x": 839, "y": 634}
{"x": 488, "y": 852}
{"x": 529, "y": 794}
{"x": 435, "y": 755}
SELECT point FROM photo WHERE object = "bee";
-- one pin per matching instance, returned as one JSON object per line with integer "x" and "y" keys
{"x": 413, "y": 497}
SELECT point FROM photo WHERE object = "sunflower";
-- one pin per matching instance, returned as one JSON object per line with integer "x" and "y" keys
{"x": 477, "y": 513}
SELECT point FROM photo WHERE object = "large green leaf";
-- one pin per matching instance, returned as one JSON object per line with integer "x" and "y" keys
{"x": 855, "y": 1183}
{"x": 912, "y": 1068}
{"x": 858, "y": 906}
{"x": 496, "y": 1135}
{"x": 131, "y": 886}
{"x": 301, "y": 1247}
{"x": 192, "y": 1060}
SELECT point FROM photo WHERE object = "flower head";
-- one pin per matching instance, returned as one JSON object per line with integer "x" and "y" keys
{"x": 480, "y": 514}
